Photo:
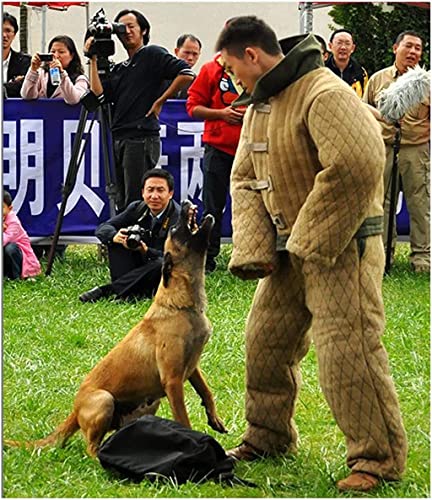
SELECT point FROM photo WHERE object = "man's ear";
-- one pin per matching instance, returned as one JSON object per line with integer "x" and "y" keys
{"x": 251, "y": 54}
{"x": 167, "y": 267}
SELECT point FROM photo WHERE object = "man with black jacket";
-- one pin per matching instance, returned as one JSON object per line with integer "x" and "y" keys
{"x": 134, "y": 89}
{"x": 135, "y": 263}
{"x": 343, "y": 64}
{"x": 15, "y": 64}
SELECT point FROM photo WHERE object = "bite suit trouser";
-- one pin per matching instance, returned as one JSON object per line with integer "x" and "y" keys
{"x": 341, "y": 310}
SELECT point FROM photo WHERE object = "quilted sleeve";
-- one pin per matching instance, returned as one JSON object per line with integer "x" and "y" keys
{"x": 254, "y": 238}
{"x": 352, "y": 155}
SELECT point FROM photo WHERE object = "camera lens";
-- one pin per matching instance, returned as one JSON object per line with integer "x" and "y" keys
{"x": 133, "y": 242}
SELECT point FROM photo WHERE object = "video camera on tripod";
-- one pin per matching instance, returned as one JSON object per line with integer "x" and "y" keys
{"x": 101, "y": 30}
{"x": 103, "y": 47}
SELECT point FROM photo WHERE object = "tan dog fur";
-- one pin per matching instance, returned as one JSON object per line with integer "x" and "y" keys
{"x": 156, "y": 357}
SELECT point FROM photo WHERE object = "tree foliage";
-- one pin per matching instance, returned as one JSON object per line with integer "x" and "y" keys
{"x": 375, "y": 27}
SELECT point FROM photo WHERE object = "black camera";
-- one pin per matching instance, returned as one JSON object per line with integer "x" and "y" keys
{"x": 46, "y": 57}
{"x": 136, "y": 234}
{"x": 101, "y": 30}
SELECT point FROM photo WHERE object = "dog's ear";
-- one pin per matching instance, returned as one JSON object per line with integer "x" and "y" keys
{"x": 167, "y": 267}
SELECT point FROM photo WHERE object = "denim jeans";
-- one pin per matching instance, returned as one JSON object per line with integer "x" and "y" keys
{"x": 12, "y": 261}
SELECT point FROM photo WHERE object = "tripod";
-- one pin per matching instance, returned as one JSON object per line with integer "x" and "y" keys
{"x": 90, "y": 103}
{"x": 393, "y": 195}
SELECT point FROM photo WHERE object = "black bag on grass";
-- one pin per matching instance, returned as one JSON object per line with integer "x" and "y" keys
{"x": 151, "y": 447}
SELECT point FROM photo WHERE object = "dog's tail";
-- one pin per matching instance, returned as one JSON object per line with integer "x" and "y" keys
{"x": 60, "y": 436}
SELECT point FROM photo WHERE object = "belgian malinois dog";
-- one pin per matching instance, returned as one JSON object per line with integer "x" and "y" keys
{"x": 158, "y": 355}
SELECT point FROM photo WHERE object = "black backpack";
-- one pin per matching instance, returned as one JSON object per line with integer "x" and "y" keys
{"x": 152, "y": 447}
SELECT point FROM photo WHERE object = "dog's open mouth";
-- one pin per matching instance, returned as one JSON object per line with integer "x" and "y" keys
{"x": 187, "y": 229}
{"x": 193, "y": 225}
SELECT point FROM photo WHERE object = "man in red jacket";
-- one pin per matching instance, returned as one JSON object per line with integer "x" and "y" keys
{"x": 209, "y": 98}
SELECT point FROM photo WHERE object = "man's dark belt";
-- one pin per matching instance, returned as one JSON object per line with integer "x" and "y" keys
{"x": 370, "y": 227}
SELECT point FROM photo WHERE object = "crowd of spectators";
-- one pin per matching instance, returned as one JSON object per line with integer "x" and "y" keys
{"x": 137, "y": 88}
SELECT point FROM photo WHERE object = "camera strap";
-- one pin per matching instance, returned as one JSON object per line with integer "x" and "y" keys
{"x": 142, "y": 211}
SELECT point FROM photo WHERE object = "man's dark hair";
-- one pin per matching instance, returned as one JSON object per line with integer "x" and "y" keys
{"x": 341, "y": 30}
{"x": 7, "y": 198}
{"x": 322, "y": 42}
{"x": 246, "y": 31}
{"x": 182, "y": 39}
{"x": 9, "y": 18}
{"x": 402, "y": 35}
{"x": 75, "y": 67}
{"x": 162, "y": 174}
{"x": 141, "y": 19}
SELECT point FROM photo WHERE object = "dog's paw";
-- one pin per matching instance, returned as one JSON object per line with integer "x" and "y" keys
{"x": 216, "y": 423}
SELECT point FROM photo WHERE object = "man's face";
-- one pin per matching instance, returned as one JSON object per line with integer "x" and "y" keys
{"x": 342, "y": 47}
{"x": 8, "y": 34}
{"x": 62, "y": 53}
{"x": 408, "y": 52}
{"x": 156, "y": 194}
{"x": 246, "y": 70}
{"x": 133, "y": 38}
{"x": 189, "y": 52}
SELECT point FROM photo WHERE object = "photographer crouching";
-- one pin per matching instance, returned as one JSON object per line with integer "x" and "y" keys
{"x": 135, "y": 240}
{"x": 134, "y": 90}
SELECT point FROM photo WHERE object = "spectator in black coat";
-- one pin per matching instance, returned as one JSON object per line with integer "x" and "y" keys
{"x": 15, "y": 64}
{"x": 135, "y": 266}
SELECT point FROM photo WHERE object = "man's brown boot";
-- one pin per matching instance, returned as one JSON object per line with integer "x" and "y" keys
{"x": 247, "y": 453}
{"x": 358, "y": 481}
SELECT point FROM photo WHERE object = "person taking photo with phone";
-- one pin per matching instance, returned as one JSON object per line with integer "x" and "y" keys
{"x": 62, "y": 62}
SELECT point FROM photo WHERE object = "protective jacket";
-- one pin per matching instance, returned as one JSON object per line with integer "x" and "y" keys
{"x": 304, "y": 191}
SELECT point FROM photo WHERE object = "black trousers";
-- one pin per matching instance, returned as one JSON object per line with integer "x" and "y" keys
{"x": 217, "y": 171}
{"x": 12, "y": 261}
{"x": 133, "y": 157}
{"x": 132, "y": 274}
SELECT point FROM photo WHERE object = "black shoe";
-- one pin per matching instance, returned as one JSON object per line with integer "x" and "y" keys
{"x": 210, "y": 266}
{"x": 92, "y": 295}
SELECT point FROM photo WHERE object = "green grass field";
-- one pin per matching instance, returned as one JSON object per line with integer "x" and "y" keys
{"x": 51, "y": 341}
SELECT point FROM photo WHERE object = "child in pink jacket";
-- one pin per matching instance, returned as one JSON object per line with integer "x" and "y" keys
{"x": 73, "y": 82}
{"x": 19, "y": 260}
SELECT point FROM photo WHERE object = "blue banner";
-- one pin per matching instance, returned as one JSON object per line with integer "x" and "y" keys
{"x": 37, "y": 144}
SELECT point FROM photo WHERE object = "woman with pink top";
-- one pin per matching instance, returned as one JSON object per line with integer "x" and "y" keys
{"x": 73, "y": 83}
{"x": 19, "y": 260}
